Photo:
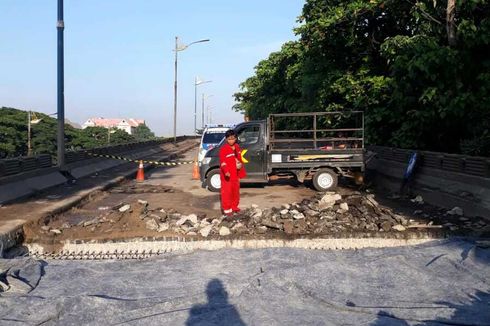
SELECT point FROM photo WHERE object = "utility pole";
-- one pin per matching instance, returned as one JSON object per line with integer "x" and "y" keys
{"x": 202, "y": 108}
{"x": 198, "y": 82}
{"x": 202, "y": 112}
{"x": 177, "y": 49}
{"x": 195, "y": 106}
{"x": 60, "y": 26}
{"x": 175, "y": 88}
{"x": 29, "y": 146}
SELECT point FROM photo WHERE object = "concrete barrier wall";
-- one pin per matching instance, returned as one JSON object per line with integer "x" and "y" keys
{"x": 26, "y": 183}
{"x": 448, "y": 185}
{"x": 24, "y": 164}
{"x": 470, "y": 165}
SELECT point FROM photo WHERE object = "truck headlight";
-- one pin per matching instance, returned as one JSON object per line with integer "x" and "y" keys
{"x": 206, "y": 160}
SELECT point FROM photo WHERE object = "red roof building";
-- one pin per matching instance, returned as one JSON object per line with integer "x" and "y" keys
{"x": 127, "y": 125}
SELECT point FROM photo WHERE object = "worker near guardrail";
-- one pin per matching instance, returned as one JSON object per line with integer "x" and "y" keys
{"x": 231, "y": 171}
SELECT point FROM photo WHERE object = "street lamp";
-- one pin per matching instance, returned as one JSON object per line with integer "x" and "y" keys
{"x": 32, "y": 119}
{"x": 60, "y": 26}
{"x": 197, "y": 82}
{"x": 210, "y": 119}
{"x": 204, "y": 97}
{"x": 109, "y": 132}
{"x": 179, "y": 47}
{"x": 30, "y": 122}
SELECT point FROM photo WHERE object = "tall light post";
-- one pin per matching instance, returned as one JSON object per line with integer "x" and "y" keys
{"x": 204, "y": 97}
{"x": 30, "y": 122}
{"x": 109, "y": 132}
{"x": 197, "y": 82}
{"x": 60, "y": 26}
{"x": 179, "y": 47}
{"x": 210, "y": 119}
{"x": 32, "y": 119}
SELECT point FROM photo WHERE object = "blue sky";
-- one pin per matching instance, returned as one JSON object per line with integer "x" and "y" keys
{"x": 119, "y": 59}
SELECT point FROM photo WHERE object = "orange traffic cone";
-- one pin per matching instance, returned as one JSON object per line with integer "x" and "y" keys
{"x": 140, "y": 176}
{"x": 195, "y": 172}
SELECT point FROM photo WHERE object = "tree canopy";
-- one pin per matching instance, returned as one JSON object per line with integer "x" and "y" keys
{"x": 13, "y": 135}
{"x": 142, "y": 133}
{"x": 420, "y": 71}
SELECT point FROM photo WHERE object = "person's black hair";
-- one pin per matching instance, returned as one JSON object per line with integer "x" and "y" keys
{"x": 230, "y": 133}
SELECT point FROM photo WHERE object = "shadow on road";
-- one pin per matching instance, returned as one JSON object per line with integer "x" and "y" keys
{"x": 217, "y": 311}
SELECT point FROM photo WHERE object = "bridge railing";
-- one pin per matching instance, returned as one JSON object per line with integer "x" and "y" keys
{"x": 471, "y": 165}
{"x": 24, "y": 164}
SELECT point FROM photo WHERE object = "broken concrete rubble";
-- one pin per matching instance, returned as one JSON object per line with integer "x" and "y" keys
{"x": 399, "y": 228}
{"x": 125, "y": 208}
{"x": 206, "y": 230}
{"x": 224, "y": 231}
{"x": 151, "y": 224}
{"x": 456, "y": 211}
{"x": 418, "y": 200}
{"x": 91, "y": 222}
{"x": 163, "y": 227}
{"x": 323, "y": 214}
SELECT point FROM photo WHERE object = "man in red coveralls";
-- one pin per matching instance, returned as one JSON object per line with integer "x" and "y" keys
{"x": 232, "y": 170}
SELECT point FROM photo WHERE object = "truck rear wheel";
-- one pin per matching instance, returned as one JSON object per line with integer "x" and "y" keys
{"x": 213, "y": 181}
{"x": 325, "y": 179}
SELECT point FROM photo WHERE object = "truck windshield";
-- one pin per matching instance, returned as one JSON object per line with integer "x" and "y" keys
{"x": 213, "y": 138}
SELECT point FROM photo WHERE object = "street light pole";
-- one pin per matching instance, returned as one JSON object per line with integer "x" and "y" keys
{"x": 31, "y": 122}
{"x": 195, "y": 106}
{"x": 29, "y": 146}
{"x": 177, "y": 49}
{"x": 197, "y": 82}
{"x": 202, "y": 109}
{"x": 110, "y": 131}
{"x": 60, "y": 26}
{"x": 175, "y": 89}
{"x": 210, "y": 118}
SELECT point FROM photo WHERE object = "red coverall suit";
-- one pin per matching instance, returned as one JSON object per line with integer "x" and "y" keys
{"x": 230, "y": 186}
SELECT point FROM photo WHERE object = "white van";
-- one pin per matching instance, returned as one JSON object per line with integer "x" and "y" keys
{"x": 211, "y": 136}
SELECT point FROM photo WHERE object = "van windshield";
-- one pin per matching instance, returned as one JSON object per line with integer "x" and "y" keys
{"x": 213, "y": 138}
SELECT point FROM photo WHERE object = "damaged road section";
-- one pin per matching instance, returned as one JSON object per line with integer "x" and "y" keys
{"x": 140, "y": 228}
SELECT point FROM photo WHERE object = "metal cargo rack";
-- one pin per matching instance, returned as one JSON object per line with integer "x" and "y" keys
{"x": 316, "y": 134}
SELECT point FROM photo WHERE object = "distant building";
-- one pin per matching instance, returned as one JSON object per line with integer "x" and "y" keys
{"x": 73, "y": 124}
{"x": 127, "y": 125}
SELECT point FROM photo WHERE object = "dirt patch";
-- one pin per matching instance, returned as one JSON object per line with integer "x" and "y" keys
{"x": 141, "y": 189}
{"x": 101, "y": 219}
{"x": 348, "y": 213}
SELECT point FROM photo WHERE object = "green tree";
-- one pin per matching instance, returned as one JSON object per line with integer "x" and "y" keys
{"x": 13, "y": 132}
{"x": 419, "y": 70}
{"x": 13, "y": 135}
{"x": 142, "y": 133}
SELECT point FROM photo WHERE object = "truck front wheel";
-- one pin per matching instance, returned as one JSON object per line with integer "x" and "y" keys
{"x": 324, "y": 180}
{"x": 213, "y": 181}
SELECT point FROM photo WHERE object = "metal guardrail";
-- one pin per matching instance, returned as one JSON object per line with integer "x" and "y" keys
{"x": 471, "y": 165}
{"x": 24, "y": 164}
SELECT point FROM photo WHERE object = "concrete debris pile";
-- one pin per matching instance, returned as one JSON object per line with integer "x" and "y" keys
{"x": 324, "y": 214}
